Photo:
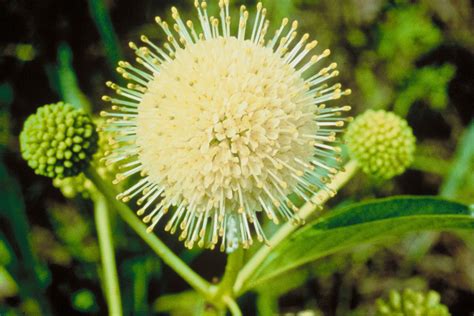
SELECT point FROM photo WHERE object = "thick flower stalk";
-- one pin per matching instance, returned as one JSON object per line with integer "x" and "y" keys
{"x": 222, "y": 126}
{"x": 58, "y": 141}
{"x": 412, "y": 303}
{"x": 382, "y": 143}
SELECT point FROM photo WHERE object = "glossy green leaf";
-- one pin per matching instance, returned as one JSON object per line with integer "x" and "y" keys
{"x": 363, "y": 222}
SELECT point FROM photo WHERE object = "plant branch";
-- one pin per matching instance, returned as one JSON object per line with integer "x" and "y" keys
{"x": 234, "y": 262}
{"x": 232, "y": 305}
{"x": 107, "y": 255}
{"x": 309, "y": 208}
{"x": 168, "y": 256}
{"x": 431, "y": 165}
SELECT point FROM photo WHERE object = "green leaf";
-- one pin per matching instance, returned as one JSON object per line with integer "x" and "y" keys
{"x": 459, "y": 183}
{"x": 360, "y": 223}
{"x": 100, "y": 15}
{"x": 70, "y": 91}
{"x": 13, "y": 213}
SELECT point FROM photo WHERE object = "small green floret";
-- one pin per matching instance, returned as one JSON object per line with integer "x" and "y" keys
{"x": 382, "y": 143}
{"x": 58, "y": 141}
{"x": 74, "y": 186}
{"x": 412, "y": 303}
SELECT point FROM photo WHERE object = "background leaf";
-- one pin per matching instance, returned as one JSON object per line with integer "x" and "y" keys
{"x": 363, "y": 222}
{"x": 460, "y": 181}
{"x": 12, "y": 211}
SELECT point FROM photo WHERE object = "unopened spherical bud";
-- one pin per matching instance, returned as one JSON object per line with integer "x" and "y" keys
{"x": 72, "y": 187}
{"x": 382, "y": 143}
{"x": 80, "y": 185}
{"x": 58, "y": 141}
{"x": 410, "y": 303}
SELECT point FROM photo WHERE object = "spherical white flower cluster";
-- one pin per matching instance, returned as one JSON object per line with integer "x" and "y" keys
{"x": 223, "y": 127}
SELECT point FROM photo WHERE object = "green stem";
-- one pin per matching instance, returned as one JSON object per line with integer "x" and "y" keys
{"x": 431, "y": 165}
{"x": 232, "y": 305}
{"x": 267, "y": 304}
{"x": 234, "y": 262}
{"x": 308, "y": 209}
{"x": 222, "y": 297}
{"x": 171, "y": 259}
{"x": 107, "y": 255}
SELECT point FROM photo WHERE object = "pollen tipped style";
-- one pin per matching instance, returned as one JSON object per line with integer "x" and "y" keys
{"x": 223, "y": 125}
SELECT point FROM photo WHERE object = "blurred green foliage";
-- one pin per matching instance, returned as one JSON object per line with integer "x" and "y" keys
{"x": 406, "y": 34}
{"x": 460, "y": 182}
{"x": 79, "y": 241}
{"x": 6, "y": 98}
{"x": 84, "y": 301}
{"x": 428, "y": 84}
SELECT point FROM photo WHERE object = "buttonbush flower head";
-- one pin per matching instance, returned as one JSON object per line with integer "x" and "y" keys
{"x": 382, "y": 143}
{"x": 80, "y": 185}
{"x": 58, "y": 141}
{"x": 412, "y": 303}
{"x": 222, "y": 126}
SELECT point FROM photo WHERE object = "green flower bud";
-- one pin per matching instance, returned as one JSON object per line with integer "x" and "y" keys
{"x": 382, "y": 143}
{"x": 80, "y": 184}
{"x": 58, "y": 141}
{"x": 411, "y": 303}
{"x": 73, "y": 186}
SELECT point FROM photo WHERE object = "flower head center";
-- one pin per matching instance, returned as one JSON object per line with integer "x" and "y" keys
{"x": 225, "y": 119}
